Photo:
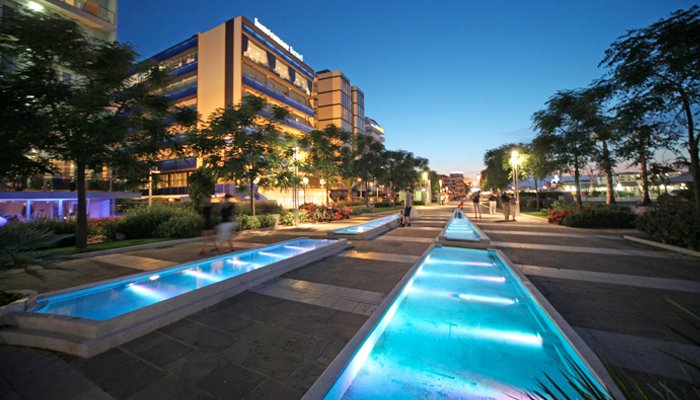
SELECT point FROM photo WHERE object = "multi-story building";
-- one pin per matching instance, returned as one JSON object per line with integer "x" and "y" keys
{"x": 333, "y": 100}
{"x": 456, "y": 185}
{"x": 222, "y": 65}
{"x": 97, "y": 17}
{"x": 358, "y": 111}
{"x": 372, "y": 128}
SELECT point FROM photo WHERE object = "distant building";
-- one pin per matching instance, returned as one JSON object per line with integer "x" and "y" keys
{"x": 334, "y": 100}
{"x": 358, "y": 111}
{"x": 372, "y": 128}
{"x": 456, "y": 185}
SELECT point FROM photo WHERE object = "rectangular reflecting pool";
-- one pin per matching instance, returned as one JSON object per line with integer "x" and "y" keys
{"x": 368, "y": 230}
{"x": 462, "y": 327}
{"x": 461, "y": 229}
{"x": 117, "y": 298}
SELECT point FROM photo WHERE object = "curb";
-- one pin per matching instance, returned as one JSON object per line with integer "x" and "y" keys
{"x": 155, "y": 245}
{"x": 662, "y": 246}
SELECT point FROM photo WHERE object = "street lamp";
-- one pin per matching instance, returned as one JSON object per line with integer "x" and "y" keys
{"x": 295, "y": 196}
{"x": 306, "y": 182}
{"x": 514, "y": 161}
{"x": 150, "y": 185}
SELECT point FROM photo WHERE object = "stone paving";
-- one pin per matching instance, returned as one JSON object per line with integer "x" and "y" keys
{"x": 274, "y": 340}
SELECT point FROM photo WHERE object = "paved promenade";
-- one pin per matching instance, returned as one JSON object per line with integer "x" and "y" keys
{"x": 274, "y": 340}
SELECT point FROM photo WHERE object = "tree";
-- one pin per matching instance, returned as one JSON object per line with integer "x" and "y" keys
{"x": 401, "y": 170}
{"x": 101, "y": 116}
{"x": 564, "y": 128}
{"x": 540, "y": 164}
{"x": 368, "y": 159}
{"x": 201, "y": 184}
{"x": 496, "y": 173}
{"x": 325, "y": 151}
{"x": 596, "y": 120}
{"x": 662, "y": 61}
{"x": 642, "y": 133}
{"x": 240, "y": 145}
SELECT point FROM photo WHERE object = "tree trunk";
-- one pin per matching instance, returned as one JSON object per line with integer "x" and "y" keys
{"x": 252, "y": 195}
{"x": 537, "y": 194}
{"x": 607, "y": 165}
{"x": 693, "y": 151}
{"x": 81, "y": 234}
{"x": 577, "y": 182}
{"x": 646, "y": 200}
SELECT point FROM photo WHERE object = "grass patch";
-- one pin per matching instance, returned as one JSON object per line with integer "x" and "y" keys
{"x": 537, "y": 214}
{"x": 66, "y": 251}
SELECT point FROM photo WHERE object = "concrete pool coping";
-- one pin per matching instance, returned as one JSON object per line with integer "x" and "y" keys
{"x": 86, "y": 338}
{"x": 328, "y": 378}
{"x": 483, "y": 243}
{"x": 366, "y": 235}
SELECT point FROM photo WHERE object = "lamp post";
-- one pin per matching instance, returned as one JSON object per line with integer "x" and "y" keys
{"x": 514, "y": 161}
{"x": 305, "y": 180}
{"x": 295, "y": 196}
{"x": 150, "y": 185}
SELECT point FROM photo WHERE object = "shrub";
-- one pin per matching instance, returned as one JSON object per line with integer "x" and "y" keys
{"x": 676, "y": 224}
{"x": 64, "y": 228}
{"x": 268, "y": 220}
{"x": 110, "y": 227}
{"x": 382, "y": 204}
{"x": 261, "y": 207}
{"x": 600, "y": 217}
{"x": 181, "y": 225}
{"x": 246, "y": 222}
{"x": 287, "y": 218}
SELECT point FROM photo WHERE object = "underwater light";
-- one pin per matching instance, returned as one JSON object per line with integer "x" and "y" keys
{"x": 153, "y": 277}
{"x": 487, "y": 299}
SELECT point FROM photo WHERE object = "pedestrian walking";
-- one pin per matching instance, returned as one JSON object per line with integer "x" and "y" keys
{"x": 407, "y": 205}
{"x": 208, "y": 231}
{"x": 493, "y": 200}
{"x": 476, "y": 202}
{"x": 506, "y": 205}
{"x": 513, "y": 206}
{"x": 225, "y": 228}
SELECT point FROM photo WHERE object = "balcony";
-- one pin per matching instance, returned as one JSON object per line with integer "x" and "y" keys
{"x": 93, "y": 8}
{"x": 276, "y": 95}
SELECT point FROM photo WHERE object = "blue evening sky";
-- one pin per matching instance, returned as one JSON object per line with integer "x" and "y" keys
{"x": 446, "y": 79}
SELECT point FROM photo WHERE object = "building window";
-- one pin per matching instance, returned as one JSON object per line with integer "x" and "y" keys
{"x": 282, "y": 70}
{"x": 256, "y": 53}
{"x": 301, "y": 83}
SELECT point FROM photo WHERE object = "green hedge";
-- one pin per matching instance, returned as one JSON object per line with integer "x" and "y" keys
{"x": 591, "y": 216}
{"x": 677, "y": 224}
{"x": 600, "y": 217}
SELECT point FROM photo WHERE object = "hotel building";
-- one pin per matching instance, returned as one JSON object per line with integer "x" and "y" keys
{"x": 222, "y": 65}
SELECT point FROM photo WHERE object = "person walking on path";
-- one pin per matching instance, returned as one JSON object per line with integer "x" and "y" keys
{"x": 513, "y": 206}
{"x": 225, "y": 228}
{"x": 407, "y": 205}
{"x": 208, "y": 231}
{"x": 506, "y": 205}
{"x": 476, "y": 202}
{"x": 492, "y": 202}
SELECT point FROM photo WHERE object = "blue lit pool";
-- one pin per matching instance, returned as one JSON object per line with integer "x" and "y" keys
{"x": 114, "y": 299}
{"x": 461, "y": 229}
{"x": 367, "y": 226}
{"x": 463, "y": 327}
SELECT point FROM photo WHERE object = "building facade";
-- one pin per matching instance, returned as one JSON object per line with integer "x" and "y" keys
{"x": 97, "y": 17}
{"x": 358, "y": 111}
{"x": 222, "y": 65}
{"x": 372, "y": 128}
{"x": 333, "y": 100}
